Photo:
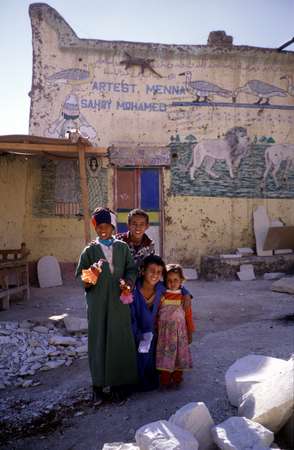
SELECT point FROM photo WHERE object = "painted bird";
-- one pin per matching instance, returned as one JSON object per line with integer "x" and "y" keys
{"x": 203, "y": 88}
{"x": 264, "y": 91}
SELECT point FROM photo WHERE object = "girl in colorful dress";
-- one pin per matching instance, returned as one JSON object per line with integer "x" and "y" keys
{"x": 175, "y": 328}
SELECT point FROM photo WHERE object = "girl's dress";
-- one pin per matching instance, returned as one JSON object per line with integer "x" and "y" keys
{"x": 111, "y": 345}
{"x": 144, "y": 317}
{"x": 173, "y": 353}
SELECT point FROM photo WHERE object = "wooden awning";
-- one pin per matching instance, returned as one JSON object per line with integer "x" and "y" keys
{"x": 75, "y": 146}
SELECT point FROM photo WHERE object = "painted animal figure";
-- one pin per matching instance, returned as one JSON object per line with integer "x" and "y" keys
{"x": 144, "y": 63}
{"x": 274, "y": 156}
{"x": 73, "y": 76}
{"x": 231, "y": 149}
{"x": 264, "y": 91}
{"x": 202, "y": 88}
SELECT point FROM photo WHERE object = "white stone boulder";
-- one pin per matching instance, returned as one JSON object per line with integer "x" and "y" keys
{"x": 162, "y": 435}
{"x": 271, "y": 401}
{"x": 195, "y": 417}
{"x": 247, "y": 371}
{"x": 75, "y": 324}
{"x": 62, "y": 340}
{"x": 49, "y": 274}
{"x": 285, "y": 284}
{"x": 239, "y": 433}
{"x": 244, "y": 251}
{"x": 246, "y": 272}
{"x": 120, "y": 446}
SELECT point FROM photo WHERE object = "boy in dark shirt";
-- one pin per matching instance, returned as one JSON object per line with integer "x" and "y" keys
{"x": 139, "y": 243}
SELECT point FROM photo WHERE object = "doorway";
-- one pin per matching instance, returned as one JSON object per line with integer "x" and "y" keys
{"x": 140, "y": 188}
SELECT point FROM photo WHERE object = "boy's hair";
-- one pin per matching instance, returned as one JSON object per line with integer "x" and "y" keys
{"x": 174, "y": 268}
{"x": 138, "y": 212}
{"x": 153, "y": 259}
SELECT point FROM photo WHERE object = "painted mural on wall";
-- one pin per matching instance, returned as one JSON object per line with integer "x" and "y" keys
{"x": 59, "y": 191}
{"x": 232, "y": 166}
{"x": 228, "y": 111}
{"x": 97, "y": 183}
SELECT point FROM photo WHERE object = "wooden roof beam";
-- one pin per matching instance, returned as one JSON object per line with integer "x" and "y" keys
{"x": 52, "y": 148}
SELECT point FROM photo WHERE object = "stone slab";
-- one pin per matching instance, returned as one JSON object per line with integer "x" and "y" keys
{"x": 261, "y": 225}
{"x": 285, "y": 284}
{"x": 246, "y": 272}
{"x": 273, "y": 275}
{"x": 49, "y": 274}
{"x": 279, "y": 238}
{"x": 75, "y": 324}
{"x": 284, "y": 251}
{"x": 244, "y": 251}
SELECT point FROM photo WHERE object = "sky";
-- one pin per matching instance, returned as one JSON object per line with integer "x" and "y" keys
{"x": 260, "y": 23}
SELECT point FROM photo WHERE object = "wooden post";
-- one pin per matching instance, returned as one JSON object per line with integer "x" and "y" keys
{"x": 84, "y": 191}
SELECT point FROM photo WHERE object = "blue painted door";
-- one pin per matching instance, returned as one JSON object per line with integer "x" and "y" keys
{"x": 140, "y": 188}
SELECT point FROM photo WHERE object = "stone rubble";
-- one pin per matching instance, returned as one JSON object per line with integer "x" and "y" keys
{"x": 285, "y": 284}
{"x": 265, "y": 408}
{"x": 27, "y": 348}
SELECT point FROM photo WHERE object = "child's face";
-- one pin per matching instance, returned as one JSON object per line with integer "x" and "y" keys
{"x": 137, "y": 227}
{"x": 104, "y": 230}
{"x": 153, "y": 274}
{"x": 173, "y": 281}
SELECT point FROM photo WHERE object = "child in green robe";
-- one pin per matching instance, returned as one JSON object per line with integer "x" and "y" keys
{"x": 106, "y": 267}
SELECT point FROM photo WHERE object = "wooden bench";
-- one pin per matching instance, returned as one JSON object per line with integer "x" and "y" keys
{"x": 14, "y": 275}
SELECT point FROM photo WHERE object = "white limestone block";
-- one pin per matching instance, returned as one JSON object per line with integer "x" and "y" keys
{"x": 246, "y": 272}
{"x": 120, "y": 446}
{"x": 261, "y": 226}
{"x": 195, "y": 417}
{"x": 239, "y": 433}
{"x": 49, "y": 274}
{"x": 249, "y": 370}
{"x": 162, "y": 435}
{"x": 283, "y": 251}
{"x": 273, "y": 275}
{"x": 244, "y": 251}
{"x": 190, "y": 274}
{"x": 75, "y": 324}
{"x": 285, "y": 284}
{"x": 271, "y": 402}
{"x": 230, "y": 256}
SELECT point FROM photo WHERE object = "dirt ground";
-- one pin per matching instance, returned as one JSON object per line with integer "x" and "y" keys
{"x": 233, "y": 319}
